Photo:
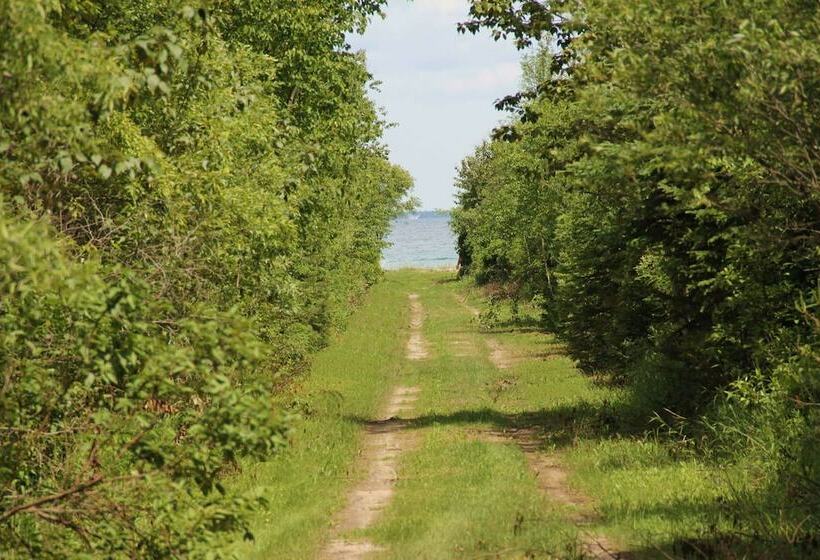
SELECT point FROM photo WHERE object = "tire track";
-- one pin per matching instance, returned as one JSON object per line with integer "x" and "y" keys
{"x": 550, "y": 474}
{"x": 552, "y": 481}
{"x": 384, "y": 441}
{"x": 416, "y": 345}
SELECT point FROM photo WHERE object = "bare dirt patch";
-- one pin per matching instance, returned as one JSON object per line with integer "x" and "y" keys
{"x": 500, "y": 356}
{"x": 552, "y": 480}
{"x": 348, "y": 549}
{"x": 463, "y": 345}
{"x": 384, "y": 440}
{"x": 416, "y": 345}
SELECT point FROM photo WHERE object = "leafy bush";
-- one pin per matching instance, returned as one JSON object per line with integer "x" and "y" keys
{"x": 192, "y": 197}
{"x": 658, "y": 189}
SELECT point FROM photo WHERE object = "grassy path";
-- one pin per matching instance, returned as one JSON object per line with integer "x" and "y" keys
{"x": 424, "y": 437}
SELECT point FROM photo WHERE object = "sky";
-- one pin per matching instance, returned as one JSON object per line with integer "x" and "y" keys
{"x": 438, "y": 87}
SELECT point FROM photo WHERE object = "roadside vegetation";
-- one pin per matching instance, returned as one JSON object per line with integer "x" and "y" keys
{"x": 304, "y": 485}
{"x": 464, "y": 486}
{"x": 655, "y": 195}
{"x": 192, "y": 194}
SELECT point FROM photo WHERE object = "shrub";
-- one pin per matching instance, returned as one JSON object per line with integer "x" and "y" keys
{"x": 192, "y": 197}
{"x": 670, "y": 175}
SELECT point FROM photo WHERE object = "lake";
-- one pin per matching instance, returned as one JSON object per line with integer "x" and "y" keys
{"x": 421, "y": 240}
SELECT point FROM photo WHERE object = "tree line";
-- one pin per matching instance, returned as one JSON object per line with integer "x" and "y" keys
{"x": 192, "y": 194}
{"x": 655, "y": 191}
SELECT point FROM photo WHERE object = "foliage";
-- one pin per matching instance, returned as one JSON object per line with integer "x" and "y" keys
{"x": 192, "y": 196}
{"x": 659, "y": 190}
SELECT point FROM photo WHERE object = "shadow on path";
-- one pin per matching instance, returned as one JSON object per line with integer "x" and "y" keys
{"x": 540, "y": 432}
{"x": 557, "y": 426}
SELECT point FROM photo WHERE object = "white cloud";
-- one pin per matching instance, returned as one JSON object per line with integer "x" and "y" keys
{"x": 447, "y": 8}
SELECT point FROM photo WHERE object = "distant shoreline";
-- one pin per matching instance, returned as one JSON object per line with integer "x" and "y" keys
{"x": 446, "y": 268}
{"x": 426, "y": 213}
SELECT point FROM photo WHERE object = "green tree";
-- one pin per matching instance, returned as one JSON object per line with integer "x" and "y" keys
{"x": 672, "y": 176}
{"x": 192, "y": 196}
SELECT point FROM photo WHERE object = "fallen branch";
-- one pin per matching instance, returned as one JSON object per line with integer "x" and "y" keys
{"x": 76, "y": 489}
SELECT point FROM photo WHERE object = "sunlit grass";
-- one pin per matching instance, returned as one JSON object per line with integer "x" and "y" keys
{"x": 307, "y": 482}
{"x": 458, "y": 493}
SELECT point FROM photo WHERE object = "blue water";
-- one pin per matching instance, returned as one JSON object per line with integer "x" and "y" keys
{"x": 421, "y": 240}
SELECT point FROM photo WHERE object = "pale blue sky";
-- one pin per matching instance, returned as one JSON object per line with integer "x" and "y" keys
{"x": 438, "y": 86}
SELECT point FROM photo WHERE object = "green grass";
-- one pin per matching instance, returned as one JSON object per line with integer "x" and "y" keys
{"x": 458, "y": 495}
{"x": 307, "y": 482}
{"x": 461, "y": 498}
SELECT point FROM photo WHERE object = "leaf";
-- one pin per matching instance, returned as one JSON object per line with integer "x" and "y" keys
{"x": 152, "y": 81}
{"x": 66, "y": 164}
{"x": 31, "y": 178}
